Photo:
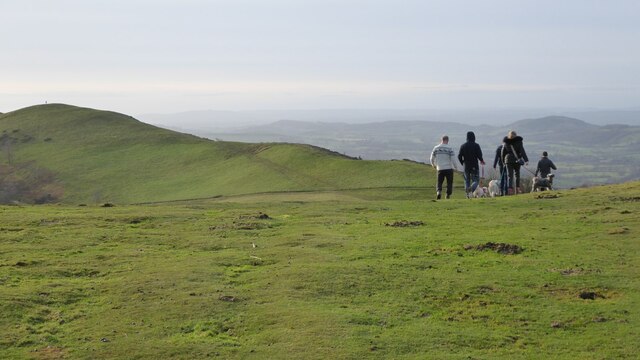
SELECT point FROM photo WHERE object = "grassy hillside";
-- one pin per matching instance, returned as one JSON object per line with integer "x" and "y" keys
{"x": 584, "y": 153}
{"x": 85, "y": 155}
{"x": 322, "y": 276}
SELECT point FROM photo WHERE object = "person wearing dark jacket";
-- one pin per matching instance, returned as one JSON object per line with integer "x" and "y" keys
{"x": 503, "y": 175}
{"x": 514, "y": 156}
{"x": 469, "y": 155}
{"x": 545, "y": 165}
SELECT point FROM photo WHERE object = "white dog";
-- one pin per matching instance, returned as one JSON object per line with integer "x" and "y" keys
{"x": 480, "y": 192}
{"x": 494, "y": 188}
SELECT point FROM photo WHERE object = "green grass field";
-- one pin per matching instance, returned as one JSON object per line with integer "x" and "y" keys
{"x": 322, "y": 276}
{"x": 287, "y": 251}
{"x": 88, "y": 156}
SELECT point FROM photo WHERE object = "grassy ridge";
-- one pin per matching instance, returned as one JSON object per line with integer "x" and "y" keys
{"x": 100, "y": 156}
{"x": 324, "y": 277}
{"x": 583, "y": 153}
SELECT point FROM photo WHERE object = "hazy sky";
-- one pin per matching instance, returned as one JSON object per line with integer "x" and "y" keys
{"x": 155, "y": 56}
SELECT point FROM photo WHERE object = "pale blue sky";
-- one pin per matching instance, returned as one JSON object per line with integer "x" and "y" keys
{"x": 154, "y": 56}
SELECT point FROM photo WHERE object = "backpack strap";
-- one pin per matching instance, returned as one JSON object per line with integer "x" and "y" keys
{"x": 515, "y": 154}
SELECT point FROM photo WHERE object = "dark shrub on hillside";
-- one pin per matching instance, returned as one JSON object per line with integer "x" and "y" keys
{"x": 45, "y": 199}
{"x": 28, "y": 183}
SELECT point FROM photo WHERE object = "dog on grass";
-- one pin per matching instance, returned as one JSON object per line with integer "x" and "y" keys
{"x": 480, "y": 192}
{"x": 494, "y": 188}
{"x": 541, "y": 184}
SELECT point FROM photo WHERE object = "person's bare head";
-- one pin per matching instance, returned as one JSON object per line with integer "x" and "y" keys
{"x": 512, "y": 134}
{"x": 445, "y": 139}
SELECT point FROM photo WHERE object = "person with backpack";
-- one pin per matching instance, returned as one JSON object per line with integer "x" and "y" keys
{"x": 444, "y": 160}
{"x": 545, "y": 165}
{"x": 514, "y": 157}
{"x": 503, "y": 174}
{"x": 469, "y": 155}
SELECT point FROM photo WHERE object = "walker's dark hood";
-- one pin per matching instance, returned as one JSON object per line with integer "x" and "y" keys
{"x": 506, "y": 140}
{"x": 471, "y": 137}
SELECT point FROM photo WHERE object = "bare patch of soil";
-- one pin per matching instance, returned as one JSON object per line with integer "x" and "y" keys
{"x": 228, "y": 298}
{"x": 138, "y": 220}
{"x": 49, "y": 352}
{"x": 576, "y": 271}
{"x": 547, "y": 196}
{"x": 626, "y": 198}
{"x": 569, "y": 272}
{"x": 404, "y": 223}
{"x": 249, "y": 226}
{"x": 590, "y": 295}
{"x": 259, "y": 216}
{"x": 617, "y": 231}
{"x": 484, "y": 289}
{"x": 240, "y": 226}
{"x": 501, "y": 248}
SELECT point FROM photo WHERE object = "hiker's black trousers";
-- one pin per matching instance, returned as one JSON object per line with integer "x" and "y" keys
{"x": 445, "y": 174}
{"x": 513, "y": 171}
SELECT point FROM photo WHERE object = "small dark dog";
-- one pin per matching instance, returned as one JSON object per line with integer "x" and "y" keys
{"x": 540, "y": 184}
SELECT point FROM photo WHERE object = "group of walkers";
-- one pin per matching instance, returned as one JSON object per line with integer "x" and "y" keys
{"x": 510, "y": 157}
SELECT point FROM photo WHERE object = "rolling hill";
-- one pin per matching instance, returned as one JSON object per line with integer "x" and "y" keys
{"x": 585, "y": 154}
{"x": 60, "y": 152}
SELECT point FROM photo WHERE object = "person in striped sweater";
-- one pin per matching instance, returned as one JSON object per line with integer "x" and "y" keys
{"x": 444, "y": 160}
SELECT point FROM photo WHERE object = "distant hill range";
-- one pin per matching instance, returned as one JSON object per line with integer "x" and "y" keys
{"x": 212, "y": 120}
{"x": 585, "y": 154}
{"x": 57, "y": 152}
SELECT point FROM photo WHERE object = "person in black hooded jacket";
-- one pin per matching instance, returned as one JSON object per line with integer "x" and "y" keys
{"x": 503, "y": 173}
{"x": 514, "y": 156}
{"x": 469, "y": 155}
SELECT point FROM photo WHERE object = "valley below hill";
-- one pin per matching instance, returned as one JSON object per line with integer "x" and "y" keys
{"x": 585, "y": 154}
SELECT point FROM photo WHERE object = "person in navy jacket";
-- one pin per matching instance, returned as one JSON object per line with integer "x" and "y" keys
{"x": 469, "y": 155}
